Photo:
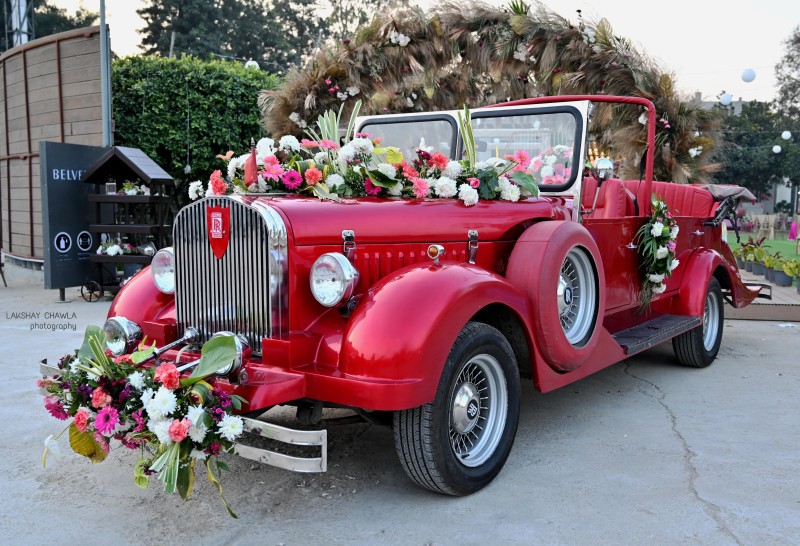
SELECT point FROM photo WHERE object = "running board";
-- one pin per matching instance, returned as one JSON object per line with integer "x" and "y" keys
{"x": 655, "y": 331}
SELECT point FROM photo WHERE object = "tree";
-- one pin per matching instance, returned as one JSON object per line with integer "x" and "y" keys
{"x": 49, "y": 19}
{"x": 274, "y": 33}
{"x": 748, "y": 158}
{"x": 349, "y": 15}
{"x": 787, "y": 74}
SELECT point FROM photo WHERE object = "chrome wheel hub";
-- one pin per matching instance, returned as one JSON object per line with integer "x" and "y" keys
{"x": 576, "y": 295}
{"x": 466, "y": 408}
{"x": 710, "y": 322}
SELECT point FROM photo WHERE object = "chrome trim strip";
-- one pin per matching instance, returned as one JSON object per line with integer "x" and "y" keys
{"x": 288, "y": 436}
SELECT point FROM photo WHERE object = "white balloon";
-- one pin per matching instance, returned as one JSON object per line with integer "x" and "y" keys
{"x": 726, "y": 99}
{"x": 776, "y": 149}
{"x": 748, "y": 75}
{"x": 786, "y": 135}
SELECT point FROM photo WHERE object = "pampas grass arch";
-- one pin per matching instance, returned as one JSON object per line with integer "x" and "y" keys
{"x": 409, "y": 60}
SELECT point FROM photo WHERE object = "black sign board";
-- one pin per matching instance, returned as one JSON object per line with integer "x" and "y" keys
{"x": 66, "y": 213}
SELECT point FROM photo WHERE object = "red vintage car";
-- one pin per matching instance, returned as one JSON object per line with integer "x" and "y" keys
{"x": 428, "y": 311}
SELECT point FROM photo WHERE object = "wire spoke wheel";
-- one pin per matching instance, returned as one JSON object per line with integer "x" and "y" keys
{"x": 91, "y": 291}
{"x": 576, "y": 295}
{"x": 478, "y": 414}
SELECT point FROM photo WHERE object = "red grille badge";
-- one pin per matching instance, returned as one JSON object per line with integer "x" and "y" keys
{"x": 218, "y": 224}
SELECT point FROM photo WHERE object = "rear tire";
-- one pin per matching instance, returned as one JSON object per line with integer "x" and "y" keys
{"x": 459, "y": 442}
{"x": 698, "y": 347}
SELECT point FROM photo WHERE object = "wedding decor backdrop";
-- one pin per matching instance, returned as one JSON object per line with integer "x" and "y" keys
{"x": 409, "y": 60}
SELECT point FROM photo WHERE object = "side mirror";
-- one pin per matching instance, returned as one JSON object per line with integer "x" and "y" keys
{"x": 602, "y": 170}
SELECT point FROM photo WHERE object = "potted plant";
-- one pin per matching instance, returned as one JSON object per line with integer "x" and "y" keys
{"x": 772, "y": 263}
{"x": 779, "y": 276}
{"x": 738, "y": 253}
{"x": 792, "y": 269}
{"x": 754, "y": 255}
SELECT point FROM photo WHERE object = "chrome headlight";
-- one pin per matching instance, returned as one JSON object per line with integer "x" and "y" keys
{"x": 122, "y": 335}
{"x": 162, "y": 268}
{"x": 241, "y": 346}
{"x": 333, "y": 279}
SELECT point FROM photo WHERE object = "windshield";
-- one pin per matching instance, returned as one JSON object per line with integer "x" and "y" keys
{"x": 547, "y": 139}
{"x": 439, "y": 132}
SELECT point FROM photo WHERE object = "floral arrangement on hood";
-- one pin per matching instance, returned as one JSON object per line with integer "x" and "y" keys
{"x": 362, "y": 166}
{"x": 657, "y": 250}
{"x": 174, "y": 421}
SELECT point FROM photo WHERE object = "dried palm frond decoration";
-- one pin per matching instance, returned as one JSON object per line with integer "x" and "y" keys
{"x": 409, "y": 60}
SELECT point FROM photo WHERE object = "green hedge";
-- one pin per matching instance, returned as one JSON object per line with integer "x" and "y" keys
{"x": 152, "y": 97}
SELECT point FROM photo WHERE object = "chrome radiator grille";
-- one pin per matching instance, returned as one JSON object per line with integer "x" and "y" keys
{"x": 243, "y": 292}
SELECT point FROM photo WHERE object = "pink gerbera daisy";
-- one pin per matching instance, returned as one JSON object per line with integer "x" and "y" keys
{"x": 292, "y": 179}
{"x": 326, "y": 144}
{"x": 371, "y": 188}
{"x": 107, "y": 419}
{"x": 272, "y": 171}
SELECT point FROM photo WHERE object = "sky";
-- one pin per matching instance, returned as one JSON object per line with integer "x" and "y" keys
{"x": 705, "y": 44}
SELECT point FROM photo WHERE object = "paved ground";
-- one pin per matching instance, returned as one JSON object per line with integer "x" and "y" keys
{"x": 644, "y": 452}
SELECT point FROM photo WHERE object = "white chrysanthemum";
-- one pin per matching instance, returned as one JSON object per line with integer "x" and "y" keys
{"x": 362, "y": 145}
{"x": 445, "y": 187}
{"x": 673, "y": 264}
{"x": 113, "y": 250}
{"x": 549, "y": 160}
{"x": 673, "y": 233}
{"x": 353, "y": 90}
{"x": 387, "y": 169}
{"x": 547, "y": 170}
{"x": 235, "y": 163}
{"x": 320, "y": 157}
{"x": 195, "y": 190}
{"x": 643, "y": 118}
{"x": 468, "y": 194}
{"x": 289, "y": 142}
{"x": 162, "y": 404}
{"x": 480, "y": 165}
{"x": 453, "y": 169}
{"x": 655, "y": 278}
{"x": 346, "y": 154}
{"x": 136, "y": 379}
{"x": 198, "y": 432}
{"x": 195, "y": 413}
{"x": 160, "y": 427}
{"x": 265, "y": 147}
{"x": 231, "y": 427}
{"x": 657, "y": 229}
{"x": 147, "y": 396}
{"x": 659, "y": 288}
{"x": 508, "y": 191}
{"x": 395, "y": 190}
{"x": 199, "y": 455}
{"x": 661, "y": 253}
{"x": 334, "y": 181}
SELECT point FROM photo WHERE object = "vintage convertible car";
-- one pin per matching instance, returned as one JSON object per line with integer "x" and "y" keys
{"x": 425, "y": 313}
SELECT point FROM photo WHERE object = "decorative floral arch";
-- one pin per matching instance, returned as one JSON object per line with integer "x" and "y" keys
{"x": 408, "y": 60}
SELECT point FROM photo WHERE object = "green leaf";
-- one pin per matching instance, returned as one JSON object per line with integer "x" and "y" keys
{"x": 139, "y": 477}
{"x": 392, "y": 154}
{"x": 322, "y": 192}
{"x": 215, "y": 355}
{"x": 223, "y": 466}
{"x": 140, "y": 356}
{"x": 92, "y": 332}
{"x": 215, "y": 483}
{"x": 83, "y": 443}
{"x": 525, "y": 181}
{"x": 186, "y": 478}
{"x": 380, "y": 179}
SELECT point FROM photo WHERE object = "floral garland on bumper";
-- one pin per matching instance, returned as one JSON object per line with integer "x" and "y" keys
{"x": 657, "y": 249}
{"x": 362, "y": 166}
{"x": 173, "y": 421}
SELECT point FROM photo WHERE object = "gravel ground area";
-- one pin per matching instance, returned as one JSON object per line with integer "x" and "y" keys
{"x": 643, "y": 452}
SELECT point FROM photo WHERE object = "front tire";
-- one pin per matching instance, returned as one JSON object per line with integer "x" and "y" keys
{"x": 459, "y": 442}
{"x": 699, "y": 346}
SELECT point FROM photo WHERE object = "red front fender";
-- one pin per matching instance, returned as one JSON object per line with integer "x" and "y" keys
{"x": 404, "y": 327}
{"x": 143, "y": 303}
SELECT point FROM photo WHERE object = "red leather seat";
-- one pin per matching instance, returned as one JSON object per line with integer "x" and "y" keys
{"x": 682, "y": 199}
{"x": 613, "y": 201}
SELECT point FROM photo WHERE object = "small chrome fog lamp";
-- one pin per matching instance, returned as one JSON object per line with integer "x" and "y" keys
{"x": 122, "y": 335}
{"x": 242, "y": 347}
